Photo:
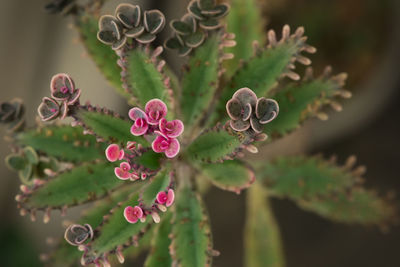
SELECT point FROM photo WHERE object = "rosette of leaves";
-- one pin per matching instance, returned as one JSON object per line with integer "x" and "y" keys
{"x": 12, "y": 114}
{"x": 30, "y": 165}
{"x": 187, "y": 35}
{"x": 208, "y": 13}
{"x": 130, "y": 22}
{"x": 190, "y": 31}
{"x": 212, "y": 149}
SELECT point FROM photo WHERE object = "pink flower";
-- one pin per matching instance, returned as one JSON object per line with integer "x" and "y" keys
{"x": 140, "y": 119}
{"x": 114, "y": 153}
{"x": 164, "y": 198}
{"x": 122, "y": 172}
{"x": 133, "y": 214}
{"x": 171, "y": 129}
{"x": 155, "y": 111}
{"x": 62, "y": 88}
{"x": 170, "y": 146}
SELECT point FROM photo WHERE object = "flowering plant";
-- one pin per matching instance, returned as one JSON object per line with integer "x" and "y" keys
{"x": 146, "y": 171}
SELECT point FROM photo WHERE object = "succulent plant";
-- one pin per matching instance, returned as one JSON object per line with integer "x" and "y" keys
{"x": 146, "y": 171}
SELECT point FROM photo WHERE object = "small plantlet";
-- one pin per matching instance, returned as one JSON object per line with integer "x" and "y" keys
{"x": 145, "y": 171}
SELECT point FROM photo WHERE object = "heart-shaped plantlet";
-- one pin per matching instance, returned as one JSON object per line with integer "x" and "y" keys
{"x": 154, "y": 21}
{"x": 48, "y": 109}
{"x": 111, "y": 32}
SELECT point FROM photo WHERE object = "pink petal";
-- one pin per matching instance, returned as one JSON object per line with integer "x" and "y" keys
{"x": 161, "y": 133}
{"x": 136, "y": 113}
{"x": 173, "y": 148}
{"x": 121, "y": 174}
{"x": 138, "y": 129}
{"x": 172, "y": 129}
{"x": 130, "y": 215}
{"x": 138, "y": 211}
{"x": 121, "y": 154}
{"x": 157, "y": 144}
{"x": 155, "y": 106}
{"x": 162, "y": 197}
{"x": 125, "y": 166}
{"x": 113, "y": 152}
{"x": 171, "y": 197}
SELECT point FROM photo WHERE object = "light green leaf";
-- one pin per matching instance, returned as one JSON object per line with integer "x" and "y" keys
{"x": 232, "y": 175}
{"x": 115, "y": 231}
{"x": 200, "y": 80}
{"x": 145, "y": 80}
{"x": 159, "y": 254}
{"x": 67, "y": 255}
{"x": 262, "y": 72}
{"x": 64, "y": 142}
{"x": 158, "y": 183}
{"x": 244, "y": 20}
{"x": 79, "y": 185}
{"x": 16, "y": 162}
{"x": 262, "y": 242}
{"x": 104, "y": 57}
{"x": 191, "y": 236}
{"x": 302, "y": 177}
{"x": 299, "y": 102}
{"x": 358, "y": 206}
{"x": 110, "y": 128}
{"x": 214, "y": 145}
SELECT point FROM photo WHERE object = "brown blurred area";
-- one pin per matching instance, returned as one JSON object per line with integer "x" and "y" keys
{"x": 361, "y": 37}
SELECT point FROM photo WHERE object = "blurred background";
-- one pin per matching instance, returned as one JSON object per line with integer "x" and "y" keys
{"x": 360, "y": 37}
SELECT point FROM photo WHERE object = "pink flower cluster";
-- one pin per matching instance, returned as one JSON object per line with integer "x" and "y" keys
{"x": 136, "y": 213}
{"x": 124, "y": 171}
{"x": 153, "y": 120}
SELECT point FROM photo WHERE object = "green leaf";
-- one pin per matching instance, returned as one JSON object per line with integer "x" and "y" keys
{"x": 232, "y": 175}
{"x": 244, "y": 20}
{"x": 159, "y": 254}
{"x": 31, "y": 155}
{"x": 115, "y": 231}
{"x": 64, "y": 142}
{"x": 144, "y": 78}
{"x": 358, "y": 206}
{"x": 158, "y": 183}
{"x": 26, "y": 174}
{"x": 200, "y": 80}
{"x": 191, "y": 235}
{"x": 301, "y": 177}
{"x": 262, "y": 72}
{"x": 323, "y": 187}
{"x": 104, "y": 57}
{"x": 16, "y": 162}
{"x": 67, "y": 255}
{"x": 109, "y": 127}
{"x": 299, "y": 102}
{"x": 262, "y": 242}
{"x": 149, "y": 160}
{"x": 214, "y": 145}
{"x": 79, "y": 185}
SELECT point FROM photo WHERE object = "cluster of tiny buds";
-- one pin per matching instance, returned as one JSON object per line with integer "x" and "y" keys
{"x": 164, "y": 200}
